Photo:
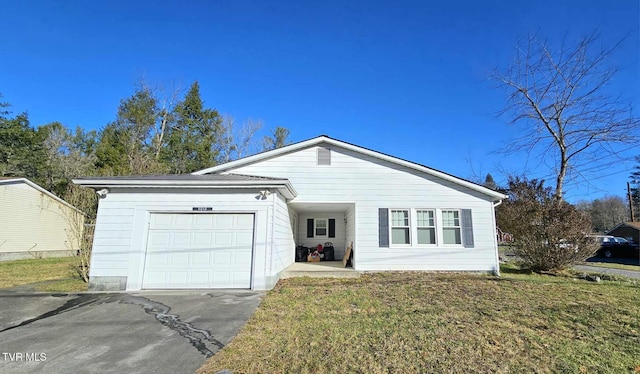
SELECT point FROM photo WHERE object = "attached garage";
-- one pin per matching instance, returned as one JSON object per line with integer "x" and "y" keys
{"x": 190, "y": 232}
{"x": 199, "y": 250}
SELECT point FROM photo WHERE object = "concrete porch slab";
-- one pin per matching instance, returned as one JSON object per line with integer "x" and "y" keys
{"x": 323, "y": 269}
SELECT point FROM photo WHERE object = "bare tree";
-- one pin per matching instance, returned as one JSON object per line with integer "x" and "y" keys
{"x": 166, "y": 100}
{"x": 237, "y": 142}
{"x": 68, "y": 155}
{"x": 559, "y": 97}
{"x": 278, "y": 139}
{"x": 605, "y": 212}
{"x": 81, "y": 226}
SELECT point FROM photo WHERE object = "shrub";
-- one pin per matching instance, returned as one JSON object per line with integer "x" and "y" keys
{"x": 550, "y": 234}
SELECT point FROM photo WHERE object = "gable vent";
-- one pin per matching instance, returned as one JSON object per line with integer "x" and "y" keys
{"x": 324, "y": 156}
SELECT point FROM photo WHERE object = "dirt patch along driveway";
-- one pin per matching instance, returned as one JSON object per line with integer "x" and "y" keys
{"x": 159, "y": 332}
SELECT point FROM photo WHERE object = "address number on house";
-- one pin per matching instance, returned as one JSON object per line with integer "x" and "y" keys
{"x": 202, "y": 208}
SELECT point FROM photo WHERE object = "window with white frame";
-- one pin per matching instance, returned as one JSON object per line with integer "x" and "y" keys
{"x": 400, "y": 228}
{"x": 451, "y": 227}
{"x": 321, "y": 227}
{"x": 426, "y": 226}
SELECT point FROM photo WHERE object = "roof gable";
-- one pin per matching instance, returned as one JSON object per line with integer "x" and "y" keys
{"x": 633, "y": 225}
{"x": 9, "y": 181}
{"x": 323, "y": 139}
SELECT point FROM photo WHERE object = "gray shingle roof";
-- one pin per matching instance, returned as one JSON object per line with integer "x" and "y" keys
{"x": 187, "y": 177}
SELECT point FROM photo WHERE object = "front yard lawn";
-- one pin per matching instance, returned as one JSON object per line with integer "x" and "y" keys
{"x": 438, "y": 322}
{"x": 47, "y": 274}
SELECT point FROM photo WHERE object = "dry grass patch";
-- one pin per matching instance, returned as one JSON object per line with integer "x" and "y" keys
{"x": 51, "y": 274}
{"x": 422, "y": 322}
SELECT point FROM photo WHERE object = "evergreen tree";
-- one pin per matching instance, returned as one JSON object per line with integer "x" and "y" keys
{"x": 126, "y": 146}
{"x": 489, "y": 182}
{"x": 193, "y": 141}
{"x": 278, "y": 139}
{"x": 21, "y": 150}
{"x": 111, "y": 158}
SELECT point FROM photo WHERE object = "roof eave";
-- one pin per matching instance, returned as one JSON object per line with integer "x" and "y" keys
{"x": 284, "y": 186}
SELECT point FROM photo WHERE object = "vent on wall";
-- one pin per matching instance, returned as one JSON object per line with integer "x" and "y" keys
{"x": 324, "y": 156}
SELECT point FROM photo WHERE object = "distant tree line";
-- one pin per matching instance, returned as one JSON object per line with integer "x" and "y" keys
{"x": 153, "y": 132}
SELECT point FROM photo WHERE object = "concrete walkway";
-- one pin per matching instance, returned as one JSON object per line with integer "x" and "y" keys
{"x": 598, "y": 269}
{"x": 323, "y": 269}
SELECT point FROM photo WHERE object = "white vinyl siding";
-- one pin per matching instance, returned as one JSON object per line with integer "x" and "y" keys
{"x": 371, "y": 184}
{"x": 400, "y": 227}
{"x": 282, "y": 253}
{"x": 123, "y": 219}
{"x": 451, "y": 227}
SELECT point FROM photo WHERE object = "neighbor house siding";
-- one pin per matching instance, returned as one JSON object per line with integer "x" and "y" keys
{"x": 372, "y": 184}
{"x": 627, "y": 232}
{"x": 123, "y": 218}
{"x": 34, "y": 224}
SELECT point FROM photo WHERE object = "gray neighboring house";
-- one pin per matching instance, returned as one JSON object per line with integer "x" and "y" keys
{"x": 35, "y": 223}
{"x": 627, "y": 230}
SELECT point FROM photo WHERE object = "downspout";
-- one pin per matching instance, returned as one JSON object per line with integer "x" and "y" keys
{"x": 495, "y": 236}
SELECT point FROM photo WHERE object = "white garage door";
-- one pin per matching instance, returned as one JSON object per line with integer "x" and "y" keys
{"x": 199, "y": 251}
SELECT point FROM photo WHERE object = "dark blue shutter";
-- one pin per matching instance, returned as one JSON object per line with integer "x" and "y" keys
{"x": 309, "y": 227}
{"x": 467, "y": 228}
{"x": 383, "y": 227}
{"x": 332, "y": 227}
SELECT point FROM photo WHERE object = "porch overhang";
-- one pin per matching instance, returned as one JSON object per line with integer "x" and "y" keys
{"x": 213, "y": 181}
{"x": 315, "y": 206}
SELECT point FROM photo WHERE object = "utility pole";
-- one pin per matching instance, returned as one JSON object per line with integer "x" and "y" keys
{"x": 630, "y": 202}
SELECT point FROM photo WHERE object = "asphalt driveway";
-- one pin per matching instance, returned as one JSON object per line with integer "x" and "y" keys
{"x": 150, "y": 332}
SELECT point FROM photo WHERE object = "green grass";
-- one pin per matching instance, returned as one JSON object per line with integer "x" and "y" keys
{"x": 47, "y": 274}
{"x": 437, "y": 322}
{"x": 610, "y": 265}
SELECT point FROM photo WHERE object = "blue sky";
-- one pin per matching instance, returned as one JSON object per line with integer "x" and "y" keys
{"x": 405, "y": 78}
